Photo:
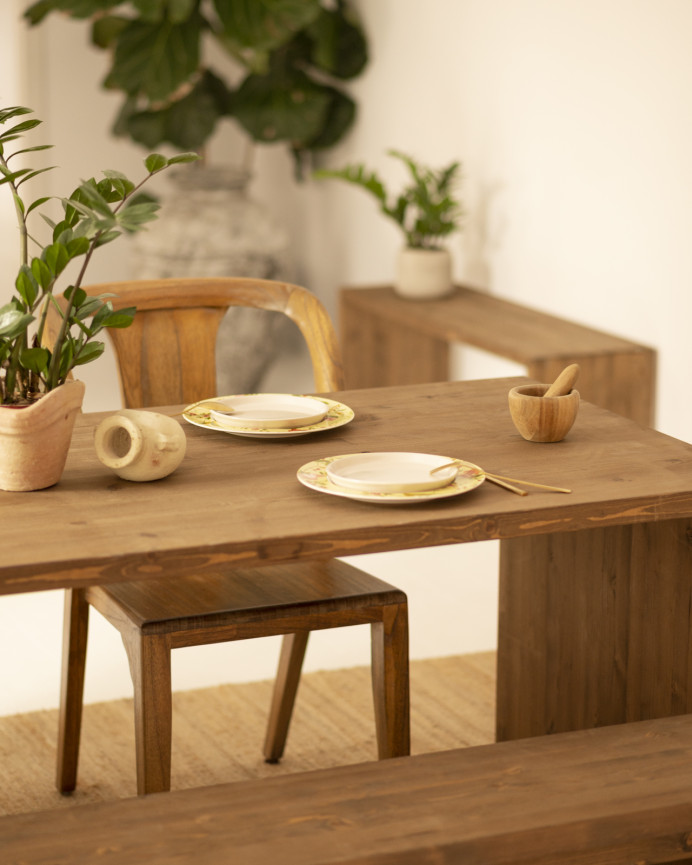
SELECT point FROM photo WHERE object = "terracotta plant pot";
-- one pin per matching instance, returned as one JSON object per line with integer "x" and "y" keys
{"x": 35, "y": 439}
{"x": 424, "y": 274}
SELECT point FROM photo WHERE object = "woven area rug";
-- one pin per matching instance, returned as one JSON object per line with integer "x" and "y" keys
{"x": 218, "y": 732}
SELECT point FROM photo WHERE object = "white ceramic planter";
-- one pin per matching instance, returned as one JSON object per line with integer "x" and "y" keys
{"x": 140, "y": 445}
{"x": 423, "y": 274}
{"x": 35, "y": 439}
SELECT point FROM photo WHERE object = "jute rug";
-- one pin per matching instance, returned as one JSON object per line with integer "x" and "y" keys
{"x": 218, "y": 732}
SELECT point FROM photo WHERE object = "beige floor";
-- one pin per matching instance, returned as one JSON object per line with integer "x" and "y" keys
{"x": 218, "y": 732}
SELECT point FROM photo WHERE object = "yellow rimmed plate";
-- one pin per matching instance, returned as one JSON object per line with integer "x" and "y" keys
{"x": 200, "y": 414}
{"x": 314, "y": 475}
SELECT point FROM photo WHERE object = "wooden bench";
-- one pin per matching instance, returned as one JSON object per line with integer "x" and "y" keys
{"x": 389, "y": 340}
{"x": 605, "y": 796}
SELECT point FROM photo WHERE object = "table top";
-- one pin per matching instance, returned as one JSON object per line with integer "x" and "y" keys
{"x": 238, "y": 499}
{"x": 493, "y": 323}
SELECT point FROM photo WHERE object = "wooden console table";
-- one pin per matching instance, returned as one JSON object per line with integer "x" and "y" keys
{"x": 389, "y": 340}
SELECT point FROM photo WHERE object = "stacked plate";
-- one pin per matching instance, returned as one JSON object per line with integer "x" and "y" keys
{"x": 268, "y": 415}
{"x": 390, "y": 477}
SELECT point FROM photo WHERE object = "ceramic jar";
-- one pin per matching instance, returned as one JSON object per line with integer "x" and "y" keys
{"x": 35, "y": 439}
{"x": 423, "y": 274}
{"x": 140, "y": 445}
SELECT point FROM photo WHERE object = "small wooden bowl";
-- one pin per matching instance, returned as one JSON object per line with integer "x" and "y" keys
{"x": 539, "y": 418}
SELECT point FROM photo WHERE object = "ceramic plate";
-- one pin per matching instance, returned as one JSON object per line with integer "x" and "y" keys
{"x": 314, "y": 475}
{"x": 390, "y": 472}
{"x": 200, "y": 414}
{"x": 270, "y": 411}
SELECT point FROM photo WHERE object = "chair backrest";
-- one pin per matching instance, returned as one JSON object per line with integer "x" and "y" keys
{"x": 167, "y": 356}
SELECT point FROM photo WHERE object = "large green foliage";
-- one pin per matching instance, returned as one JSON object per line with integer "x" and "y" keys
{"x": 294, "y": 54}
{"x": 426, "y": 210}
{"x": 96, "y": 213}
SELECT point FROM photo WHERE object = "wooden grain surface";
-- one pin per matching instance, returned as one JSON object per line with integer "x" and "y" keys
{"x": 390, "y": 340}
{"x": 238, "y": 499}
{"x": 613, "y": 796}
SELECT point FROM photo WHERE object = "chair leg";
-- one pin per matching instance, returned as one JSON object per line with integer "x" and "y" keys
{"x": 75, "y": 632}
{"x": 284, "y": 696}
{"x": 390, "y": 682}
{"x": 150, "y": 665}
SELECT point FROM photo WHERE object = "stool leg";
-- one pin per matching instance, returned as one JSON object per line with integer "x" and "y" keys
{"x": 285, "y": 688}
{"x": 75, "y": 632}
{"x": 390, "y": 682}
{"x": 150, "y": 665}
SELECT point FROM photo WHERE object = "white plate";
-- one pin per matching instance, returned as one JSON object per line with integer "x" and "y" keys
{"x": 314, "y": 475}
{"x": 390, "y": 472}
{"x": 270, "y": 411}
{"x": 200, "y": 415}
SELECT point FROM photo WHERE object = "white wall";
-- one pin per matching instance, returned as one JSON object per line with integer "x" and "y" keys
{"x": 573, "y": 122}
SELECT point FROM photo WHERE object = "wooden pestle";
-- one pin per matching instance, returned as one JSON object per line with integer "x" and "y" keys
{"x": 564, "y": 383}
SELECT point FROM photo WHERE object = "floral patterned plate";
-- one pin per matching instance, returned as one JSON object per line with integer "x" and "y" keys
{"x": 200, "y": 414}
{"x": 314, "y": 475}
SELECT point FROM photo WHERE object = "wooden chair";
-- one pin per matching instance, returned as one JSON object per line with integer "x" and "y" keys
{"x": 167, "y": 358}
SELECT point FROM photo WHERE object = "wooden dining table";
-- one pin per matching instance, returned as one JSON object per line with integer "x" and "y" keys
{"x": 595, "y": 584}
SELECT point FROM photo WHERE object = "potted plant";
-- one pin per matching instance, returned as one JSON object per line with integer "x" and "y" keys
{"x": 426, "y": 211}
{"x": 38, "y": 397}
{"x": 292, "y": 56}
{"x": 274, "y": 70}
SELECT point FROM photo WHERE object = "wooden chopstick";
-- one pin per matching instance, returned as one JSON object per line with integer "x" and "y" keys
{"x": 530, "y": 484}
{"x": 495, "y": 480}
{"x": 498, "y": 479}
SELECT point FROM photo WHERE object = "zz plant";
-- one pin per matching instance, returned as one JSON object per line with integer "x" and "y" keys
{"x": 426, "y": 210}
{"x": 96, "y": 213}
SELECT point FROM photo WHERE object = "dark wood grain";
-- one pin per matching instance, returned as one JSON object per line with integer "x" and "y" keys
{"x": 390, "y": 340}
{"x": 611, "y": 796}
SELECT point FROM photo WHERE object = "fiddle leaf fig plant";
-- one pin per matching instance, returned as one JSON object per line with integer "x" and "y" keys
{"x": 96, "y": 213}
{"x": 291, "y": 55}
{"x": 426, "y": 210}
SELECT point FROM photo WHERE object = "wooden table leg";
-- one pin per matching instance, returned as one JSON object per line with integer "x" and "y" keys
{"x": 377, "y": 352}
{"x": 594, "y": 628}
{"x": 622, "y": 382}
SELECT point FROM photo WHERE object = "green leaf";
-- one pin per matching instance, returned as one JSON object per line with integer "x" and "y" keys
{"x": 89, "y": 352}
{"x": 56, "y": 257}
{"x": 77, "y": 246}
{"x": 106, "y": 29}
{"x": 34, "y": 174}
{"x": 35, "y": 359}
{"x": 24, "y": 126}
{"x": 338, "y": 120}
{"x": 77, "y": 8}
{"x": 27, "y": 286}
{"x": 38, "y": 203}
{"x": 339, "y": 46}
{"x": 132, "y": 217}
{"x": 155, "y": 59}
{"x": 101, "y": 315}
{"x": 121, "y": 318}
{"x": 155, "y": 162}
{"x": 265, "y": 24}
{"x": 15, "y": 111}
{"x": 76, "y": 295}
{"x": 42, "y": 273}
{"x": 120, "y": 183}
{"x": 281, "y": 108}
{"x": 186, "y": 123}
{"x": 180, "y": 158}
{"x": 13, "y": 322}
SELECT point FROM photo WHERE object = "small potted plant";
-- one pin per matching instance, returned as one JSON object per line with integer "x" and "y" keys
{"x": 426, "y": 211}
{"x": 38, "y": 397}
